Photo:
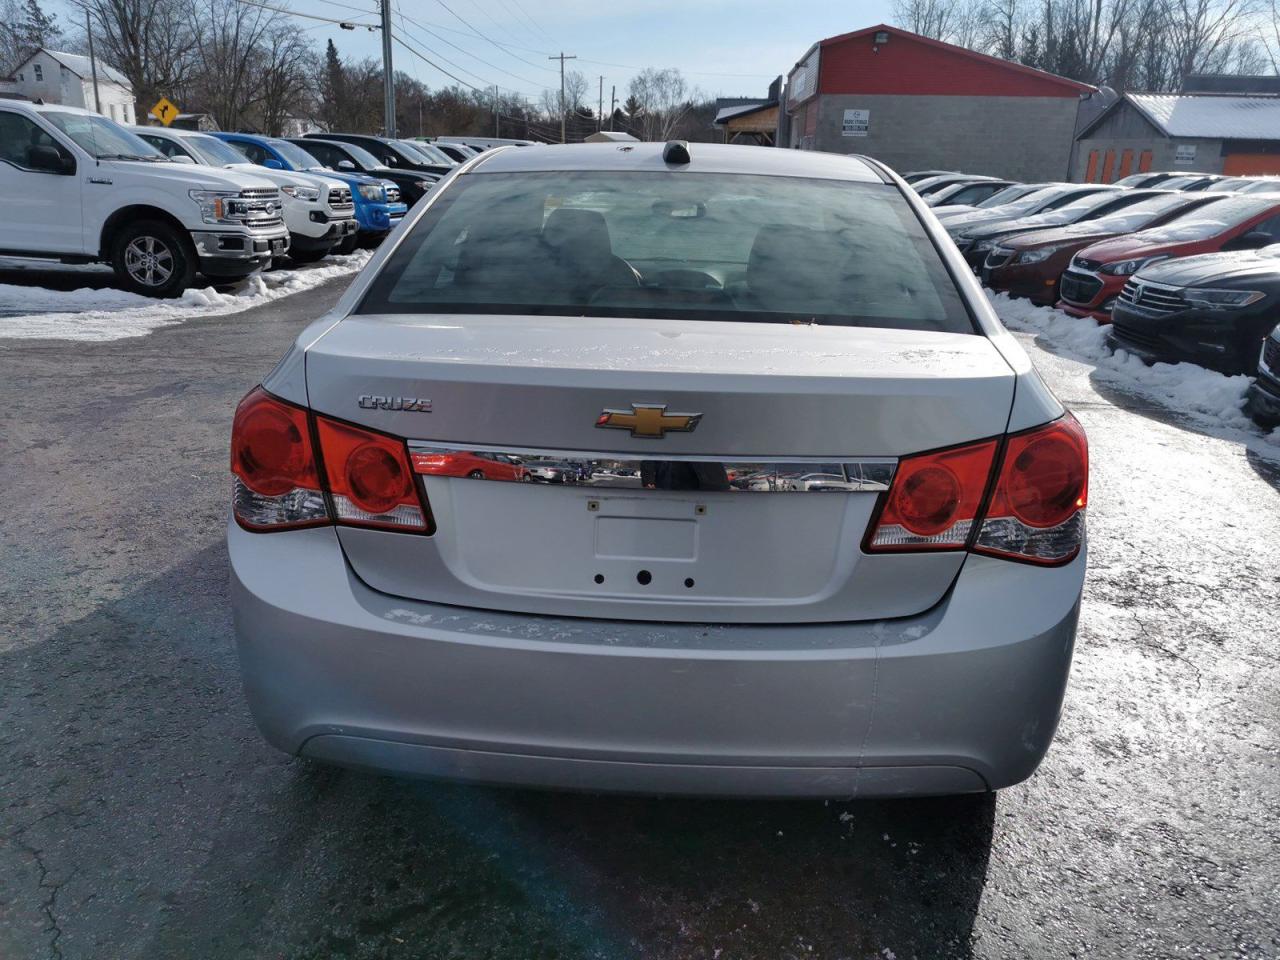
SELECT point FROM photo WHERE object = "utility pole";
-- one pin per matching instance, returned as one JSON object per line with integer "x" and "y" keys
{"x": 496, "y": 131}
{"x": 613, "y": 104}
{"x": 562, "y": 58}
{"x": 388, "y": 77}
{"x": 93, "y": 64}
{"x": 600, "y": 106}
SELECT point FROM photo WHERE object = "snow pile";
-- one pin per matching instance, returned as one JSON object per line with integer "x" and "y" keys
{"x": 1209, "y": 398}
{"x": 97, "y": 315}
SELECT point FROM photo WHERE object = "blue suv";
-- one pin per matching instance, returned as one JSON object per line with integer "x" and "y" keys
{"x": 378, "y": 206}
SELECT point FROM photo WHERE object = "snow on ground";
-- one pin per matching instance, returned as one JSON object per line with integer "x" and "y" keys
{"x": 109, "y": 314}
{"x": 1211, "y": 400}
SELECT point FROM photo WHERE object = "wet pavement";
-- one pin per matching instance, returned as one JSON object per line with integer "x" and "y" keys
{"x": 142, "y": 817}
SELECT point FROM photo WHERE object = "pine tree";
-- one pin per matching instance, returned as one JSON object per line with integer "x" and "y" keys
{"x": 36, "y": 28}
{"x": 332, "y": 88}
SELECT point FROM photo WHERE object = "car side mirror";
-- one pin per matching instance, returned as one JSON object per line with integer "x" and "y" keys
{"x": 346, "y": 165}
{"x": 271, "y": 163}
{"x": 47, "y": 159}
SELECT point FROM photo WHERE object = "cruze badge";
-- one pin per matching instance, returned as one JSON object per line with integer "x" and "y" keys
{"x": 648, "y": 420}
{"x": 371, "y": 401}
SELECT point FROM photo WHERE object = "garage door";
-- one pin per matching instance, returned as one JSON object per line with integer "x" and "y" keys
{"x": 1250, "y": 164}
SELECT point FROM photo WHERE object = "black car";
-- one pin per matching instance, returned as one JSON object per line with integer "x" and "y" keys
{"x": 459, "y": 151}
{"x": 1263, "y": 402}
{"x": 350, "y": 158}
{"x": 390, "y": 153}
{"x": 1213, "y": 310}
{"x": 1089, "y": 207}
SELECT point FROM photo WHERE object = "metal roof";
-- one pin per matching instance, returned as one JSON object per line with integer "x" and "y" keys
{"x": 1211, "y": 117}
{"x": 706, "y": 158}
{"x": 82, "y": 68}
{"x": 727, "y": 113}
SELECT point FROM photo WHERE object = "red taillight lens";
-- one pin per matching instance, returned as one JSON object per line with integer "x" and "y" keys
{"x": 369, "y": 478}
{"x": 1038, "y": 505}
{"x": 276, "y": 484}
{"x": 934, "y": 500}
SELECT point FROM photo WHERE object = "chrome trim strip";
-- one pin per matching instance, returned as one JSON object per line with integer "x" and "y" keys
{"x": 633, "y": 471}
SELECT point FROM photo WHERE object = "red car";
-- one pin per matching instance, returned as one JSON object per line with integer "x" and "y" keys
{"x": 474, "y": 464}
{"x": 1030, "y": 264}
{"x": 1097, "y": 273}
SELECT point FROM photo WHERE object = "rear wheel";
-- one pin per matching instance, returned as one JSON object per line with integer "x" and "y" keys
{"x": 476, "y": 474}
{"x": 154, "y": 259}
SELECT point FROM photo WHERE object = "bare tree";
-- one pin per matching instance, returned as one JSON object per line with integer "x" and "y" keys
{"x": 150, "y": 41}
{"x": 285, "y": 66}
{"x": 663, "y": 98}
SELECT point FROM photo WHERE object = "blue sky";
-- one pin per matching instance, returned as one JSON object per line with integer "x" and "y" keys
{"x": 724, "y": 47}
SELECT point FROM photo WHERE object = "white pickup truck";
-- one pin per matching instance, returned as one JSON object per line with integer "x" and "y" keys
{"x": 318, "y": 210}
{"x": 80, "y": 188}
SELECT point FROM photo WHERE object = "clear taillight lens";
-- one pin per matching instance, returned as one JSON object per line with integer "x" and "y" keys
{"x": 370, "y": 480}
{"x": 1037, "y": 510}
{"x": 275, "y": 482}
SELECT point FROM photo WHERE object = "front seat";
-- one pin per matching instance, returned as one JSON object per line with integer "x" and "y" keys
{"x": 581, "y": 246}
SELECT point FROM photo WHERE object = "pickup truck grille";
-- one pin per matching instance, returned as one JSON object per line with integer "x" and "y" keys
{"x": 1152, "y": 299}
{"x": 260, "y": 193}
{"x": 1271, "y": 356}
{"x": 1077, "y": 288}
{"x": 393, "y": 194}
{"x": 340, "y": 197}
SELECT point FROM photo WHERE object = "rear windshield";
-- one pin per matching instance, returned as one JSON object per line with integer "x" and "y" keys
{"x": 679, "y": 246}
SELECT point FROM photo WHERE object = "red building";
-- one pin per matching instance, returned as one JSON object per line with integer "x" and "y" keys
{"x": 917, "y": 103}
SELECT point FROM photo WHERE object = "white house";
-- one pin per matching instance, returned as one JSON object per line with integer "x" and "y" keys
{"x": 67, "y": 78}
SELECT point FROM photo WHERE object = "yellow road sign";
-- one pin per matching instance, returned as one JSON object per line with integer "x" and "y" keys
{"x": 166, "y": 111}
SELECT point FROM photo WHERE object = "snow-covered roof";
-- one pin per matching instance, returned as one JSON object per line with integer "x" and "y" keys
{"x": 727, "y": 113}
{"x": 80, "y": 66}
{"x": 1211, "y": 117}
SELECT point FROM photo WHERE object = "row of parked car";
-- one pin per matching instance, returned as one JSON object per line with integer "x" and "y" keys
{"x": 162, "y": 205}
{"x": 1184, "y": 267}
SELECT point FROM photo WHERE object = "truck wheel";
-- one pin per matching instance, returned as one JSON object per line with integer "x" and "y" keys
{"x": 348, "y": 244}
{"x": 154, "y": 259}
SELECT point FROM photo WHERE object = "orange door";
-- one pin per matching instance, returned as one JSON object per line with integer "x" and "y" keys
{"x": 1126, "y": 162}
{"x": 1144, "y": 161}
{"x": 1250, "y": 164}
{"x": 1107, "y": 166}
{"x": 1091, "y": 174}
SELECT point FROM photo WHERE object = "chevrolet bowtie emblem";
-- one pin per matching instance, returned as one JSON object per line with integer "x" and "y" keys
{"x": 648, "y": 420}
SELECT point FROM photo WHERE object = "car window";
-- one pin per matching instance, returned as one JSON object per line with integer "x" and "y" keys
{"x": 101, "y": 138}
{"x": 213, "y": 150}
{"x": 1205, "y": 222}
{"x": 362, "y": 157}
{"x": 164, "y": 145}
{"x": 1270, "y": 226}
{"x": 254, "y": 152}
{"x": 706, "y": 246}
{"x": 18, "y": 134}
{"x": 329, "y": 155}
{"x": 294, "y": 155}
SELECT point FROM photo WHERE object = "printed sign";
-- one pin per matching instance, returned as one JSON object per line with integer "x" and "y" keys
{"x": 1185, "y": 153}
{"x": 856, "y": 123}
{"x": 166, "y": 111}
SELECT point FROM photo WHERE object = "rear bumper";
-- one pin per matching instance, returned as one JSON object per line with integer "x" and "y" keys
{"x": 963, "y": 698}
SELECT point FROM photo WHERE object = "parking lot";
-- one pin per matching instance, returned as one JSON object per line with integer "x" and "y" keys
{"x": 143, "y": 816}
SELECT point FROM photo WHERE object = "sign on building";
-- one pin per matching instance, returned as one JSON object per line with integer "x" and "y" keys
{"x": 1185, "y": 153}
{"x": 856, "y": 123}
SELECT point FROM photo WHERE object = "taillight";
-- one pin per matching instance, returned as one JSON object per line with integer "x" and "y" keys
{"x": 369, "y": 477}
{"x": 1035, "y": 510}
{"x": 1038, "y": 504}
{"x": 934, "y": 500}
{"x": 280, "y": 483}
{"x": 275, "y": 483}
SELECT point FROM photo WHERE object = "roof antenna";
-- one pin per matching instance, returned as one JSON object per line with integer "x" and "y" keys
{"x": 676, "y": 151}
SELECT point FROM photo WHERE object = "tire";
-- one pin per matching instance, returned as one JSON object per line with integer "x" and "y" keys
{"x": 348, "y": 244}
{"x": 153, "y": 259}
{"x": 476, "y": 474}
{"x": 308, "y": 256}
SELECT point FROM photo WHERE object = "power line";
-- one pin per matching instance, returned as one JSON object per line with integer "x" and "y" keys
{"x": 345, "y": 24}
{"x": 482, "y": 36}
{"x": 528, "y": 19}
{"x": 445, "y": 40}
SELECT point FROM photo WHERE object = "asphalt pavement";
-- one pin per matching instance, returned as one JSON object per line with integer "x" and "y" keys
{"x": 142, "y": 817}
